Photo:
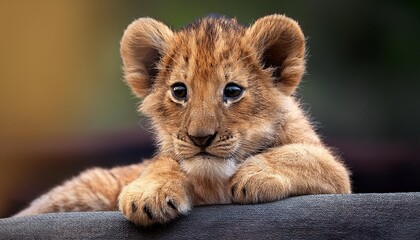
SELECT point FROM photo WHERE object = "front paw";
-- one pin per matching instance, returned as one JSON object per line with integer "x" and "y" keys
{"x": 256, "y": 182}
{"x": 148, "y": 202}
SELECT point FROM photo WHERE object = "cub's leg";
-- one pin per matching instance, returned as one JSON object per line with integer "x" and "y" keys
{"x": 161, "y": 193}
{"x": 93, "y": 190}
{"x": 294, "y": 169}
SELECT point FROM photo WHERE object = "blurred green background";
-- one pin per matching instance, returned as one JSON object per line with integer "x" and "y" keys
{"x": 63, "y": 106}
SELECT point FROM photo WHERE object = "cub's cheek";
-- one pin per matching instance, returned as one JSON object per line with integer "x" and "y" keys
{"x": 225, "y": 147}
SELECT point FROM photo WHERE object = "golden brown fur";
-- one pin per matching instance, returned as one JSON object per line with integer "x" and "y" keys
{"x": 262, "y": 146}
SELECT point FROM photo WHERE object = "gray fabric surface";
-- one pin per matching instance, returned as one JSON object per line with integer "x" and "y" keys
{"x": 355, "y": 216}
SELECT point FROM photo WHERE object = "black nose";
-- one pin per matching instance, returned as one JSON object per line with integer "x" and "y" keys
{"x": 202, "y": 141}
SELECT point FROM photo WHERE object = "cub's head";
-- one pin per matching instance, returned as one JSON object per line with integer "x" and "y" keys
{"x": 214, "y": 90}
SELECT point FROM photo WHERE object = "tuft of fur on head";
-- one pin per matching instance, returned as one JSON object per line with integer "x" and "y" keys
{"x": 266, "y": 59}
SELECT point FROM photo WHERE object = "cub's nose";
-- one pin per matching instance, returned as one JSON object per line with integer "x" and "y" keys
{"x": 202, "y": 141}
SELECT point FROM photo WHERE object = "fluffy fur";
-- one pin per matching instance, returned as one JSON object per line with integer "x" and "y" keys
{"x": 263, "y": 148}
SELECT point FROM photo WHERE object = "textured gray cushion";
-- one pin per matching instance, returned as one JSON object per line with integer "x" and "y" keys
{"x": 354, "y": 216}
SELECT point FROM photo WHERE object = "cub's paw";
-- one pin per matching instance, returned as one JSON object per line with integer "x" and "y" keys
{"x": 147, "y": 202}
{"x": 255, "y": 182}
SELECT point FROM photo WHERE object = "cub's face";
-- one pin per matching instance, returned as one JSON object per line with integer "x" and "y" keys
{"x": 215, "y": 90}
{"x": 211, "y": 99}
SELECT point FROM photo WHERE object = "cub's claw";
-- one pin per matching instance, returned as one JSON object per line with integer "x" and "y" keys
{"x": 133, "y": 207}
{"x": 171, "y": 203}
{"x": 148, "y": 212}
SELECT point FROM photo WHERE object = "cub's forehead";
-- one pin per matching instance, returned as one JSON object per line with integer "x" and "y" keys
{"x": 208, "y": 50}
{"x": 210, "y": 35}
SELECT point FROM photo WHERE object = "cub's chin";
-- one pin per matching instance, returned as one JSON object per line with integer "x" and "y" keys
{"x": 209, "y": 166}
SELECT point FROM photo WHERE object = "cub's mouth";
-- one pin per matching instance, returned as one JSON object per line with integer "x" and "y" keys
{"x": 205, "y": 154}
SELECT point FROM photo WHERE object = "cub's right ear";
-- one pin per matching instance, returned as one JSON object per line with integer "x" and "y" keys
{"x": 142, "y": 45}
{"x": 281, "y": 47}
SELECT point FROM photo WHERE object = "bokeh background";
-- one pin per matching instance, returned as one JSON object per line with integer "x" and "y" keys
{"x": 63, "y": 106}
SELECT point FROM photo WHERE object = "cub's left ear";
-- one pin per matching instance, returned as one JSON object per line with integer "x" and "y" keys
{"x": 280, "y": 44}
{"x": 142, "y": 45}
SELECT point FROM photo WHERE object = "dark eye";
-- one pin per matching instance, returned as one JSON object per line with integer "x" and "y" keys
{"x": 232, "y": 91}
{"x": 179, "y": 91}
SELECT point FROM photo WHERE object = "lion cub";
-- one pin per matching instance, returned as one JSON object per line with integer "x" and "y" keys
{"x": 220, "y": 98}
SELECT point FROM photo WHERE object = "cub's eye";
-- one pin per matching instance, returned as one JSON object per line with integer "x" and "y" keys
{"x": 232, "y": 91}
{"x": 179, "y": 91}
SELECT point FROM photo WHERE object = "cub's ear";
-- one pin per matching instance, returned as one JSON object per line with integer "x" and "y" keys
{"x": 142, "y": 45}
{"x": 280, "y": 44}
